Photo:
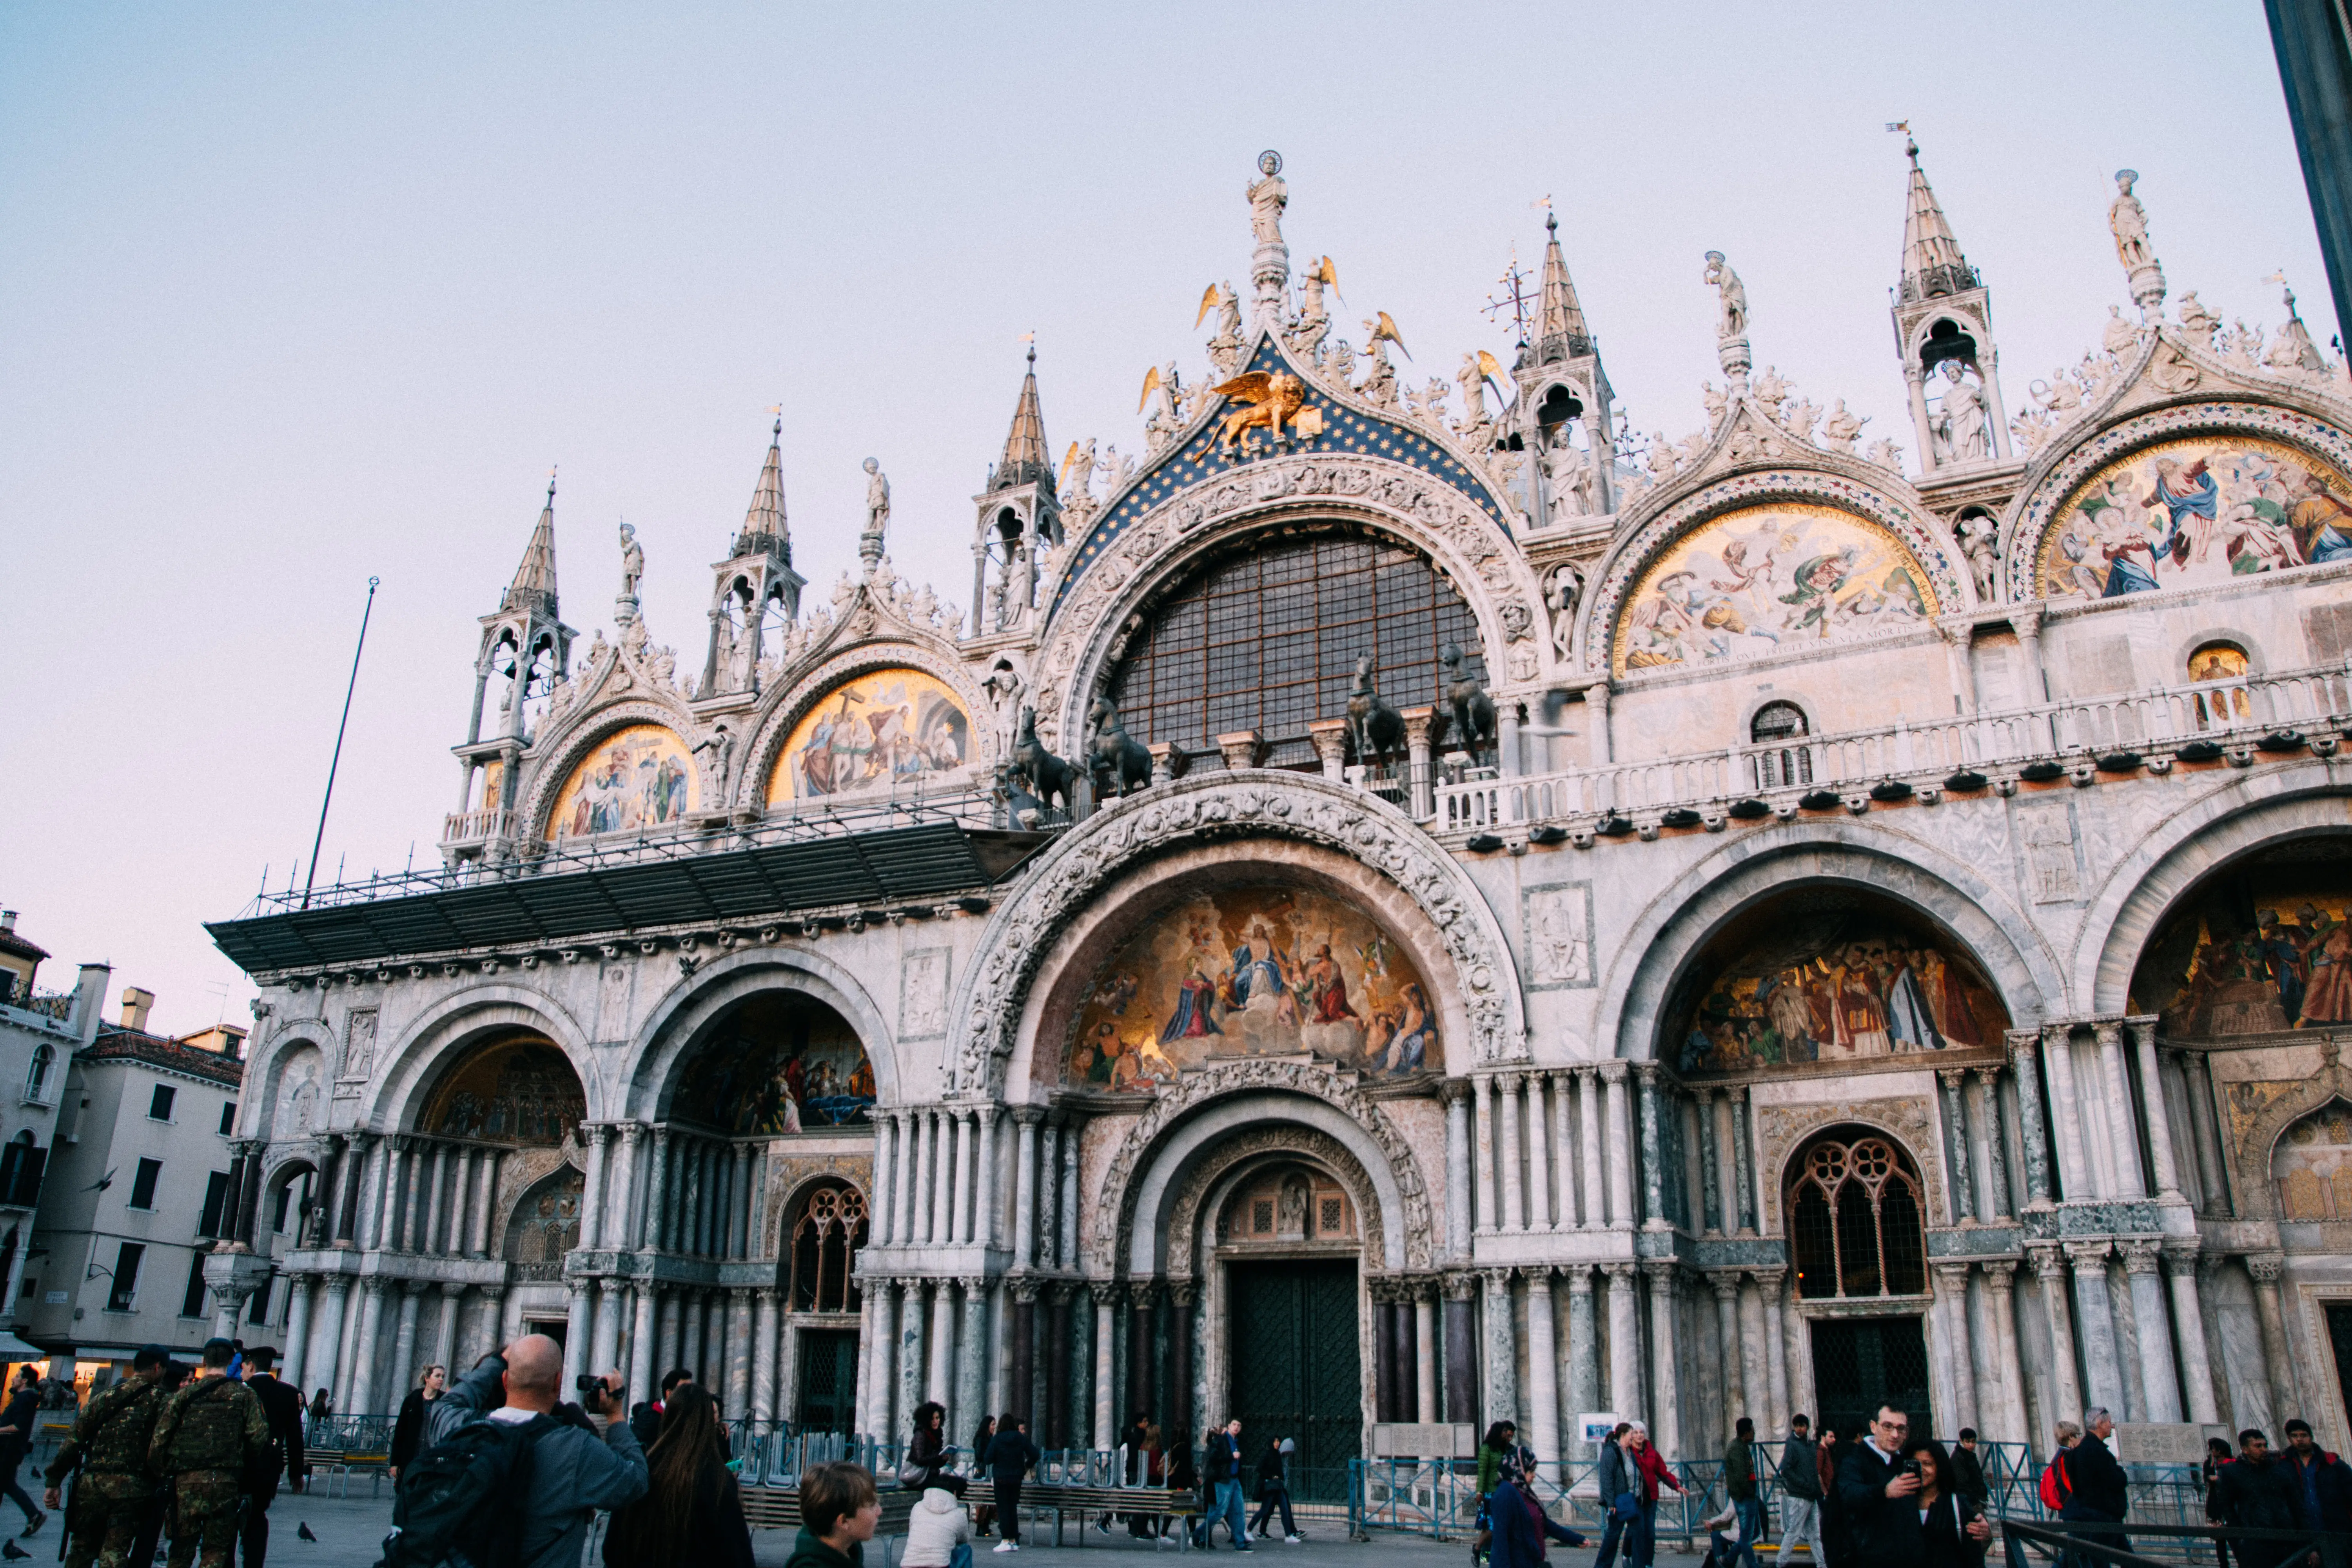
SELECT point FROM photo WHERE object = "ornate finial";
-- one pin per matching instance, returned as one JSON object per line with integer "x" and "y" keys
{"x": 777, "y": 434}
{"x": 550, "y": 486}
{"x": 1910, "y": 145}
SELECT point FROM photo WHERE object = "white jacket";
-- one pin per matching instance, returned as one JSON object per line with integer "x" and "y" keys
{"x": 935, "y": 1526}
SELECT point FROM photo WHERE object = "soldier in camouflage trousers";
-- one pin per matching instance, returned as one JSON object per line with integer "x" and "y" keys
{"x": 209, "y": 1436}
{"x": 114, "y": 1493}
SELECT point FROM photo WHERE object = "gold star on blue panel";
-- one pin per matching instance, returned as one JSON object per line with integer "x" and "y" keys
{"x": 1203, "y": 458}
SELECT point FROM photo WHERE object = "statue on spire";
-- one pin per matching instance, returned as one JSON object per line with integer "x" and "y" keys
{"x": 877, "y": 515}
{"x": 1267, "y": 197}
{"x": 633, "y": 563}
{"x": 1731, "y": 317}
{"x": 2129, "y": 221}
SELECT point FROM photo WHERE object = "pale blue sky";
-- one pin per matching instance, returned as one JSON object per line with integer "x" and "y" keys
{"x": 293, "y": 295}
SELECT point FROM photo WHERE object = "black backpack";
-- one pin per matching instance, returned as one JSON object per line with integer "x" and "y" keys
{"x": 457, "y": 1505}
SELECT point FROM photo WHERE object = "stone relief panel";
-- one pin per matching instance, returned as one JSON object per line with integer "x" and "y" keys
{"x": 359, "y": 1043}
{"x": 2045, "y": 829}
{"x": 301, "y": 1095}
{"x": 1556, "y": 925}
{"x": 923, "y": 993}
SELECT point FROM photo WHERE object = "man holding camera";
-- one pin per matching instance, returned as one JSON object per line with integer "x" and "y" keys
{"x": 589, "y": 1460}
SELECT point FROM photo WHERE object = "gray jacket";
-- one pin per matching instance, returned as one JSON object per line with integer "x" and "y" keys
{"x": 1617, "y": 1477}
{"x": 574, "y": 1473}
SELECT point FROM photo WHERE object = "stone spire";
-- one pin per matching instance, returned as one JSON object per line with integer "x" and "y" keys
{"x": 533, "y": 587}
{"x": 1932, "y": 262}
{"x": 765, "y": 520}
{"x": 1027, "y": 459}
{"x": 1558, "y": 315}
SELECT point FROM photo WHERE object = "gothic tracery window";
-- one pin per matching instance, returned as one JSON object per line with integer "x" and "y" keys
{"x": 825, "y": 1237}
{"x": 1855, "y": 1221}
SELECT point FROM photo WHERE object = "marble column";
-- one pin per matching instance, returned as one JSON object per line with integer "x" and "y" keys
{"x": 576, "y": 1330}
{"x": 2278, "y": 1352}
{"x": 445, "y": 1329}
{"x": 2196, "y": 1077}
{"x": 1509, "y": 1174}
{"x": 1563, "y": 1169}
{"x": 2023, "y": 1050}
{"x": 1963, "y": 1195}
{"x": 902, "y": 1178}
{"x": 1065, "y": 1227}
{"x": 1709, "y": 1218}
{"x": 1726, "y": 1323}
{"x": 1456, "y": 1095}
{"x": 1743, "y": 1163}
{"x": 1502, "y": 1350}
{"x": 2158, "y": 1383}
{"x": 1625, "y": 1394}
{"x": 645, "y": 1349}
{"x": 910, "y": 1357}
{"x": 1955, "y": 1359}
{"x": 1583, "y": 1347}
{"x": 2196, "y": 1365}
{"x": 1055, "y": 1426}
{"x": 1462, "y": 1391}
{"x": 404, "y": 1343}
{"x": 2123, "y": 1134}
{"x": 1178, "y": 1421}
{"x": 1482, "y": 1148}
{"x": 1106, "y": 1295}
{"x": 1996, "y": 1146}
{"x": 972, "y": 1357}
{"x": 966, "y": 1151}
{"x": 2075, "y": 1178}
{"x": 297, "y": 1330}
{"x": 1424, "y": 1352}
{"x": 943, "y": 1171}
{"x": 1620, "y": 1148}
{"x": 2000, "y": 1290}
{"x": 623, "y": 1230}
{"x": 2160, "y": 1113}
{"x": 591, "y": 1197}
{"x": 1771, "y": 1285}
{"x": 1665, "y": 1422}
{"x": 1653, "y": 1206}
{"x": 1539, "y": 1139}
{"x": 988, "y": 1200}
{"x": 611, "y": 1303}
{"x": 485, "y": 1202}
{"x": 739, "y": 1352}
{"x": 1594, "y": 1206}
{"x": 326, "y": 1360}
{"x": 766, "y": 1354}
{"x": 363, "y": 1398}
{"x": 1024, "y": 1196}
{"x": 1543, "y": 1371}
{"x": 886, "y": 1136}
{"x": 491, "y": 1335}
{"x": 738, "y": 1218}
{"x": 872, "y": 1357}
{"x": 2102, "y": 1366}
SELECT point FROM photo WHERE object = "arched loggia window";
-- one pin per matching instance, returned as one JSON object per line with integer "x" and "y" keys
{"x": 1854, "y": 1221}
{"x": 1783, "y": 759}
{"x": 825, "y": 1235}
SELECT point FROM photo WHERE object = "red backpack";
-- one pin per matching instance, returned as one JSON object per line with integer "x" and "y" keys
{"x": 2054, "y": 1485}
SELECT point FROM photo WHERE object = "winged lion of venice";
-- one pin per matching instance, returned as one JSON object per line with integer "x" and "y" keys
{"x": 1269, "y": 397}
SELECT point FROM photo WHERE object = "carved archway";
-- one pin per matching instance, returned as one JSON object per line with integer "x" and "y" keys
{"x": 1229, "y": 1158}
{"x": 1216, "y": 808}
{"x": 1908, "y": 1122}
{"x": 2259, "y": 1114}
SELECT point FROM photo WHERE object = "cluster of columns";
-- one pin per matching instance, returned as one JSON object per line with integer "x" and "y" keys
{"x": 402, "y": 1192}
{"x": 1604, "y": 1366}
{"x": 2159, "y": 1275}
{"x": 732, "y": 1337}
{"x": 334, "y": 1320}
{"x": 664, "y": 1189}
{"x": 935, "y": 1174}
{"x": 1543, "y": 1149}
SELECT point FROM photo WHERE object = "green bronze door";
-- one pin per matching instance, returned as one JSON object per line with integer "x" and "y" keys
{"x": 825, "y": 1398}
{"x": 1296, "y": 1373}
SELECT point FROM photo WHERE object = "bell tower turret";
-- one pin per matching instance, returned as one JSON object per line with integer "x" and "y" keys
{"x": 1019, "y": 516}
{"x": 755, "y": 590}
{"x": 1943, "y": 330}
{"x": 526, "y": 643}
{"x": 1563, "y": 390}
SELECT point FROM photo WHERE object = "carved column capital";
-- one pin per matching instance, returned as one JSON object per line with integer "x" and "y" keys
{"x": 1725, "y": 1286}
{"x": 2089, "y": 1253}
{"x": 1612, "y": 1070}
{"x": 1461, "y": 1284}
{"x": 2023, "y": 1043}
{"x": 2049, "y": 1264}
{"x": 1453, "y": 1090}
{"x": 1140, "y": 1292}
{"x": 2142, "y": 1257}
{"x": 1580, "y": 1279}
{"x": 632, "y": 1132}
{"x": 1025, "y": 1290}
{"x": 1999, "y": 1272}
{"x": 1953, "y": 1276}
{"x": 1618, "y": 1273}
{"x": 414, "y": 1287}
{"x": 1770, "y": 1278}
{"x": 1661, "y": 1270}
{"x": 2181, "y": 1256}
{"x": 1953, "y": 1078}
{"x": 2267, "y": 1267}
{"x": 453, "y": 1288}
{"x": 1028, "y": 1115}
{"x": 1103, "y": 1291}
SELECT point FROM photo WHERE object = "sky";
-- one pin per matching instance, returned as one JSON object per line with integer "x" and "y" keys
{"x": 295, "y": 296}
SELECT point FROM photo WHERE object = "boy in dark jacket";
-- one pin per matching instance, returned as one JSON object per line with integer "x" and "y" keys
{"x": 1800, "y": 1492}
{"x": 2324, "y": 1481}
{"x": 839, "y": 1510}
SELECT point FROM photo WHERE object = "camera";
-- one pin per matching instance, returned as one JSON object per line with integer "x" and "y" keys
{"x": 592, "y": 1392}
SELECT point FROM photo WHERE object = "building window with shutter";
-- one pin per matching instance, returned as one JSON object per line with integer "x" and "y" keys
{"x": 228, "y": 1118}
{"x": 142, "y": 1186}
{"x": 209, "y": 1223}
{"x": 20, "y": 1171}
{"x": 192, "y": 1305}
{"x": 125, "y": 1293}
{"x": 158, "y": 1108}
{"x": 36, "y": 1075}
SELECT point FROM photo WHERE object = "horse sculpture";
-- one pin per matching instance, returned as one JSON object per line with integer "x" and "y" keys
{"x": 1047, "y": 776}
{"x": 1374, "y": 729}
{"x": 1022, "y": 809}
{"x": 1473, "y": 729}
{"x": 1114, "y": 755}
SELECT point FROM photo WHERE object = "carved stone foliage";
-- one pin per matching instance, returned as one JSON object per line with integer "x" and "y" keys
{"x": 2030, "y": 518}
{"x": 1305, "y": 1142}
{"x": 1930, "y": 544}
{"x": 1909, "y": 1120}
{"x": 1467, "y": 544}
{"x": 1114, "y": 1209}
{"x": 1291, "y": 806}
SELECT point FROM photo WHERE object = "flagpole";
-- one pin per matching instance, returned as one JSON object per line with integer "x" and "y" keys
{"x": 341, "y": 726}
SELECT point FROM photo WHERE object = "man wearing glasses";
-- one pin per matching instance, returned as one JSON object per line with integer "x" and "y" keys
{"x": 1872, "y": 1487}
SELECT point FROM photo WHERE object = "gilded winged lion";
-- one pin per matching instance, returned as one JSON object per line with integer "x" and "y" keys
{"x": 1270, "y": 398}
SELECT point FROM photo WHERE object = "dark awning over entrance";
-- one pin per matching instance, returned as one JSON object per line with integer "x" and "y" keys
{"x": 763, "y": 882}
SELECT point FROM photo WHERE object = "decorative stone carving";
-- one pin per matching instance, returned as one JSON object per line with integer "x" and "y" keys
{"x": 1307, "y": 1143}
{"x": 1114, "y": 1216}
{"x": 1909, "y": 1120}
{"x": 1293, "y": 806}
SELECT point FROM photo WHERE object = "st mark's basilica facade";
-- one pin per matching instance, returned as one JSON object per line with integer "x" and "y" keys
{"x": 1403, "y": 903}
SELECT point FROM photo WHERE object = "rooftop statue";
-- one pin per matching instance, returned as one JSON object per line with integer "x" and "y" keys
{"x": 878, "y": 497}
{"x": 1731, "y": 321}
{"x": 632, "y": 562}
{"x": 2128, "y": 220}
{"x": 1267, "y": 197}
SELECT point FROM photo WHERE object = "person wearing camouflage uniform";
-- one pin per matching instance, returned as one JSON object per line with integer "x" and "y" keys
{"x": 109, "y": 1444}
{"x": 208, "y": 1435}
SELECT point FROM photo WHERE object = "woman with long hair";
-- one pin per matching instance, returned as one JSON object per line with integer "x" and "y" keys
{"x": 692, "y": 1510}
{"x": 927, "y": 1452}
{"x": 408, "y": 1431}
{"x": 1952, "y": 1530}
{"x": 984, "y": 1516}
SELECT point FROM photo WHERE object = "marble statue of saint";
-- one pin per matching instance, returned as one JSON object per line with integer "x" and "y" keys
{"x": 1843, "y": 428}
{"x": 1267, "y": 197}
{"x": 1961, "y": 430}
{"x": 878, "y": 497}
{"x": 1561, "y": 590}
{"x": 2128, "y": 220}
{"x": 632, "y": 562}
{"x": 1731, "y": 319}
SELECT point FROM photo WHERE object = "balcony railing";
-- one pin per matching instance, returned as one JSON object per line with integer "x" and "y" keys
{"x": 2194, "y": 721}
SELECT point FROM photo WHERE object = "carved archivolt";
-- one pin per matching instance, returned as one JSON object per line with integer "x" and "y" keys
{"x": 1114, "y": 1209}
{"x": 1910, "y": 1120}
{"x": 2030, "y": 517}
{"x": 1465, "y": 543}
{"x": 1926, "y": 539}
{"x": 808, "y": 687}
{"x": 1230, "y": 805}
{"x": 1306, "y": 1143}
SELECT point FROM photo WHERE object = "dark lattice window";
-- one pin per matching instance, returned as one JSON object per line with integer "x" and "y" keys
{"x": 1779, "y": 728}
{"x": 1854, "y": 1221}
{"x": 1269, "y": 640}
{"x": 826, "y": 1235}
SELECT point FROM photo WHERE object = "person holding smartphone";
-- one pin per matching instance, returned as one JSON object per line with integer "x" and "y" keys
{"x": 1950, "y": 1529}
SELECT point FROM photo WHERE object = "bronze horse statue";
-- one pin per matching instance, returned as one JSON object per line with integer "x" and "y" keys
{"x": 1114, "y": 755}
{"x": 1049, "y": 778}
{"x": 1473, "y": 729}
{"x": 1374, "y": 729}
